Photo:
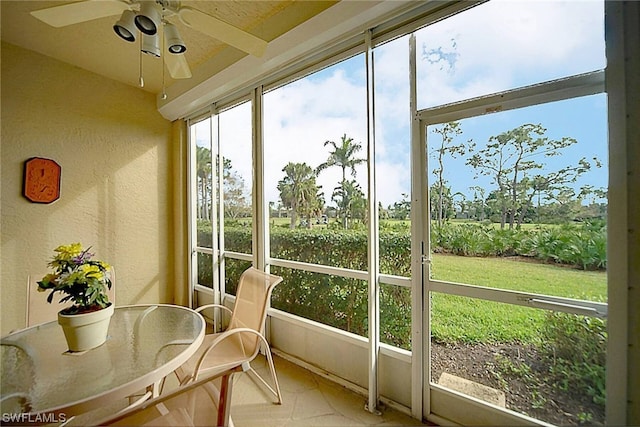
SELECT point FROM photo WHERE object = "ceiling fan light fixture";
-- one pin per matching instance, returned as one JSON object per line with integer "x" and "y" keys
{"x": 151, "y": 45}
{"x": 149, "y": 18}
{"x": 125, "y": 27}
{"x": 172, "y": 39}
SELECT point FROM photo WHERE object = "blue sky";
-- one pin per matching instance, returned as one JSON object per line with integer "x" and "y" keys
{"x": 493, "y": 47}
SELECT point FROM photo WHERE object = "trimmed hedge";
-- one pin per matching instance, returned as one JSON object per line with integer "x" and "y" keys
{"x": 342, "y": 302}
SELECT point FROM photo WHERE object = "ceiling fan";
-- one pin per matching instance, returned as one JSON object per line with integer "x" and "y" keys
{"x": 146, "y": 17}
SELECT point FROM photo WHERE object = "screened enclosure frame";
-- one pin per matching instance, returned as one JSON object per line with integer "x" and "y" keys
{"x": 419, "y": 282}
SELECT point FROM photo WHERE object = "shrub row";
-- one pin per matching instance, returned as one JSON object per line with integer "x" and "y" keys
{"x": 342, "y": 302}
{"x": 583, "y": 246}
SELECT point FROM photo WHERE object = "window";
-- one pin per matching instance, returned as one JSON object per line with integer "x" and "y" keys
{"x": 203, "y": 170}
{"x": 527, "y": 184}
{"x": 315, "y": 177}
{"x": 223, "y": 142}
{"x": 237, "y": 180}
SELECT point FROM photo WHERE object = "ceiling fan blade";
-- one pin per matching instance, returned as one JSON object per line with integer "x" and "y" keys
{"x": 220, "y": 30}
{"x": 177, "y": 66}
{"x": 74, "y": 13}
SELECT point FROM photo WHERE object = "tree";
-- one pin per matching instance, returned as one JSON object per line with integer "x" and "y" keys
{"x": 343, "y": 155}
{"x": 448, "y": 132}
{"x": 461, "y": 203}
{"x": 298, "y": 190}
{"x": 553, "y": 185}
{"x": 235, "y": 194}
{"x": 312, "y": 208}
{"x": 350, "y": 200}
{"x": 478, "y": 204}
{"x": 441, "y": 198}
{"x": 401, "y": 209}
{"x": 203, "y": 174}
{"x": 510, "y": 157}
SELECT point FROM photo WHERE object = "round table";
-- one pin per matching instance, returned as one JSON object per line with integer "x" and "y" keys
{"x": 42, "y": 381}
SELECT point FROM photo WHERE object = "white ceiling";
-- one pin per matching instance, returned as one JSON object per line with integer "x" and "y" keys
{"x": 94, "y": 46}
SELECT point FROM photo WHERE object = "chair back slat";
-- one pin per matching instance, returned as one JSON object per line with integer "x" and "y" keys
{"x": 252, "y": 302}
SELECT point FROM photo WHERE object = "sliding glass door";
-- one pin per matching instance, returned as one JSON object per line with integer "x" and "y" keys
{"x": 514, "y": 130}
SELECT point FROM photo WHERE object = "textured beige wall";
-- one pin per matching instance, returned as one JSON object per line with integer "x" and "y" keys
{"x": 115, "y": 152}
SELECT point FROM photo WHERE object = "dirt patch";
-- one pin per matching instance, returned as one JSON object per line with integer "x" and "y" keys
{"x": 521, "y": 372}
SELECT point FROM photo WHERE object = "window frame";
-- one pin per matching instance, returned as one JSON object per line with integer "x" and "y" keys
{"x": 435, "y": 397}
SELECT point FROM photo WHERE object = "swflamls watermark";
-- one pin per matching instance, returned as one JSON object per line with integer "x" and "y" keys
{"x": 27, "y": 418}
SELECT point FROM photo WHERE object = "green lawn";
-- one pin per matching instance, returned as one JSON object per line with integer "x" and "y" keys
{"x": 505, "y": 273}
{"x": 464, "y": 319}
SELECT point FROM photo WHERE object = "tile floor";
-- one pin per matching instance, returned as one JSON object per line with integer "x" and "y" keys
{"x": 308, "y": 400}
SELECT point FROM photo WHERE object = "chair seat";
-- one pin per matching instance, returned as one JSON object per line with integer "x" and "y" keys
{"x": 228, "y": 354}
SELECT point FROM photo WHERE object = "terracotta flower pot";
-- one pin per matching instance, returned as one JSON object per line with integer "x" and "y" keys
{"x": 86, "y": 331}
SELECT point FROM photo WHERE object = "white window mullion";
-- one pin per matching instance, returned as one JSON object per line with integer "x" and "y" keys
{"x": 260, "y": 241}
{"x": 214, "y": 134}
{"x": 546, "y": 92}
{"x": 623, "y": 68}
{"x": 221, "y": 247}
{"x": 373, "y": 250}
{"x": 419, "y": 359}
{"x": 192, "y": 196}
{"x": 525, "y": 299}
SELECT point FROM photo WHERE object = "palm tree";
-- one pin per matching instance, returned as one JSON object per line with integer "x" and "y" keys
{"x": 298, "y": 189}
{"x": 349, "y": 197}
{"x": 343, "y": 155}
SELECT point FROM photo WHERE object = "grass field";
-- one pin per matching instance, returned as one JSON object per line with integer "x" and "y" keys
{"x": 515, "y": 274}
{"x": 464, "y": 319}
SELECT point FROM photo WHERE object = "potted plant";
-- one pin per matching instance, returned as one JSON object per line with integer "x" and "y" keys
{"x": 84, "y": 281}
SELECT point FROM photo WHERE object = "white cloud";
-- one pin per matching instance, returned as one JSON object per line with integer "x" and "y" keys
{"x": 504, "y": 44}
{"x": 300, "y": 117}
{"x": 500, "y": 45}
{"x": 392, "y": 181}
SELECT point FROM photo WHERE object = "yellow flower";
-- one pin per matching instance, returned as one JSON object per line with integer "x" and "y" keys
{"x": 91, "y": 271}
{"x": 76, "y": 274}
{"x": 66, "y": 252}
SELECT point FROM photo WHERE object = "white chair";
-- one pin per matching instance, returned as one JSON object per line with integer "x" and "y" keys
{"x": 40, "y": 311}
{"x": 241, "y": 341}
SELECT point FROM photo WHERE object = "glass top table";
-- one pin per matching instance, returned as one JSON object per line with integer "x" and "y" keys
{"x": 145, "y": 343}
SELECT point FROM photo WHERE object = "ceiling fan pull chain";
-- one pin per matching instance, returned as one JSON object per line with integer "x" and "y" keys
{"x": 141, "y": 81}
{"x": 164, "y": 93}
